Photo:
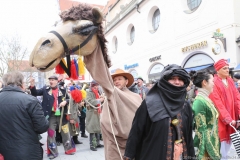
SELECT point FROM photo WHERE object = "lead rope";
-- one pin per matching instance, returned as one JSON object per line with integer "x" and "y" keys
{"x": 93, "y": 105}
{"x": 112, "y": 130}
{"x": 110, "y": 122}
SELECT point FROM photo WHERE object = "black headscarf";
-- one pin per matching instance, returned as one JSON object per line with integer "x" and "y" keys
{"x": 164, "y": 99}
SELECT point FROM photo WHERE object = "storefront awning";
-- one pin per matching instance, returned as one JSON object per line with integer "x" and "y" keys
{"x": 237, "y": 68}
{"x": 198, "y": 68}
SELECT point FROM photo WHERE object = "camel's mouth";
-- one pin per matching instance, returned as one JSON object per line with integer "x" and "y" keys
{"x": 46, "y": 67}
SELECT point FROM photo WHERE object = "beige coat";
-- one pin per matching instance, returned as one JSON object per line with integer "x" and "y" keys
{"x": 92, "y": 115}
{"x": 122, "y": 105}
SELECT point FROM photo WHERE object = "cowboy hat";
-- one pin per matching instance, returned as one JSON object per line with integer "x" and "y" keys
{"x": 120, "y": 72}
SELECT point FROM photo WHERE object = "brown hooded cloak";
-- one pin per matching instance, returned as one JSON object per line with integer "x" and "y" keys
{"x": 122, "y": 105}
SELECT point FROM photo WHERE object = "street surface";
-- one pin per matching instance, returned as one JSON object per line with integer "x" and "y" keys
{"x": 84, "y": 152}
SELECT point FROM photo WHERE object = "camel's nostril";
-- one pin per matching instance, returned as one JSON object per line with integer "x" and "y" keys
{"x": 46, "y": 42}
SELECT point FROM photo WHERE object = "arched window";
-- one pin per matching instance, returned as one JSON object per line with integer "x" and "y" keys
{"x": 134, "y": 74}
{"x": 193, "y": 4}
{"x": 132, "y": 34}
{"x": 156, "y": 19}
{"x": 154, "y": 73}
{"x": 116, "y": 44}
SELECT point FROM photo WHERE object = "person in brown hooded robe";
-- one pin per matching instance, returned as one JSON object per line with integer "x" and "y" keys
{"x": 119, "y": 107}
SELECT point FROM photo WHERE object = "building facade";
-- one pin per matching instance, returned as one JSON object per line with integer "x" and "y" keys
{"x": 146, "y": 35}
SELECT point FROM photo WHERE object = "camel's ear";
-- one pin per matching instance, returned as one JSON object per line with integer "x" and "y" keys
{"x": 98, "y": 17}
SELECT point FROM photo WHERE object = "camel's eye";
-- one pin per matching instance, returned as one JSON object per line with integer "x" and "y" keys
{"x": 84, "y": 30}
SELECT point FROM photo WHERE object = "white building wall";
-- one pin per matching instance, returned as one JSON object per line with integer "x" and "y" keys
{"x": 176, "y": 30}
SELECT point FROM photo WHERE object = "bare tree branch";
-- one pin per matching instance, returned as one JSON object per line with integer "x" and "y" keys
{"x": 12, "y": 53}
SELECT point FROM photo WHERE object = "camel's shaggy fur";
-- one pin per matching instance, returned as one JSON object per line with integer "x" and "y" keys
{"x": 84, "y": 12}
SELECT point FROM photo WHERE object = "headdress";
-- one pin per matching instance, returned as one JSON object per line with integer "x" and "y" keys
{"x": 220, "y": 64}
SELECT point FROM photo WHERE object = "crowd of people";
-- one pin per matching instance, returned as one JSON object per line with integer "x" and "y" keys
{"x": 156, "y": 121}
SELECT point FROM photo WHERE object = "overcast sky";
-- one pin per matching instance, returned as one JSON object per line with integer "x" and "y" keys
{"x": 30, "y": 19}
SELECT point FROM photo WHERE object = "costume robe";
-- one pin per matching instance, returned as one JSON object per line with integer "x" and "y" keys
{"x": 227, "y": 101}
{"x": 122, "y": 105}
{"x": 148, "y": 140}
{"x": 206, "y": 133}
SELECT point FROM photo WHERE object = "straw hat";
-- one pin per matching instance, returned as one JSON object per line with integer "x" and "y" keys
{"x": 120, "y": 72}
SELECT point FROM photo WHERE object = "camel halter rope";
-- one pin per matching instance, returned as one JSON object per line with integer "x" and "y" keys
{"x": 68, "y": 51}
{"x": 110, "y": 122}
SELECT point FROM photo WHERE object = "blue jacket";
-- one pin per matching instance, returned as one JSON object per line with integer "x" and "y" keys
{"x": 48, "y": 99}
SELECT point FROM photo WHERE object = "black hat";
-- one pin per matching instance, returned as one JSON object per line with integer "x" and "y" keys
{"x": 237, "y": 76}
{"x": 94, "y": 83}
{"x": 172, "y": 70}
{"x": 140, "y": 78}
{"x": 53, "y": 77}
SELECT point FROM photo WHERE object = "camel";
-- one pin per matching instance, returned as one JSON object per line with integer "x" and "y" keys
{"x": 78, "y": 23}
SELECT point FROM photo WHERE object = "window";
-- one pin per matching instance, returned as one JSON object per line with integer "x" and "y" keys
{"x": 134, "y": 74}
{"x": 116, "y": 44}
{"x": 154, "y": 73}
{"x": 193, "y": 4}
{"x": 156, "y": 19}
{"x": 153, "y": 19}
{"x": 132, "y": 34}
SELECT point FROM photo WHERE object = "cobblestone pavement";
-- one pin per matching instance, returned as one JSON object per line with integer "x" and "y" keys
{"x": 84, "y": 152}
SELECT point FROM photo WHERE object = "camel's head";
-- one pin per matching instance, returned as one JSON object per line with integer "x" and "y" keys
{"x": 49, "y": 50}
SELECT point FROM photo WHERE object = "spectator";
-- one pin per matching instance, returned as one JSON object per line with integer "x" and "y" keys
{"x": 236, "y": 78}
{"x": 142, "y": 90}
{"x": 191, "y": 89}
{"x": 22, "y": 119}
{"x": 206, "y": 117}
{"x": 82, "y": 119}
{"x": 1, "y": 84}
{"x": 238, "y": 85}
{"x": 149, "y": 85}
{"x": 152, "y": 135}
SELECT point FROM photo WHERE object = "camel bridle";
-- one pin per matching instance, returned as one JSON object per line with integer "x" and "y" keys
{"x": 68, "y": 52}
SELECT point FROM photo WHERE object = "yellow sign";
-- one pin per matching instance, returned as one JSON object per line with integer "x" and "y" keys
{"x": 194, "y": 46}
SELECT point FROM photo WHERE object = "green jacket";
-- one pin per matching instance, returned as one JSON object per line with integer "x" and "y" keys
{"x": 206, "y": 133}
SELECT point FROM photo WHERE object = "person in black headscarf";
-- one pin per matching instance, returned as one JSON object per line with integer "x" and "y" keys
{"x": 155, "y": 133}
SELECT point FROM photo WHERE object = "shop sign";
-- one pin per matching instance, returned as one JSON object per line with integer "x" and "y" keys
{"x": 81, "y": 77}
{"x": 217, "y": 34}
{"x": 194, "y": 46}
{"x": 126, "y": 67}
{"x": 113, "y": 71}
{"x": 155, "y": 58}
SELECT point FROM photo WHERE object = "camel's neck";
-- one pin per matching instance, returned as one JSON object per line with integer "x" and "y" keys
{"x": 98, "y": 69}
